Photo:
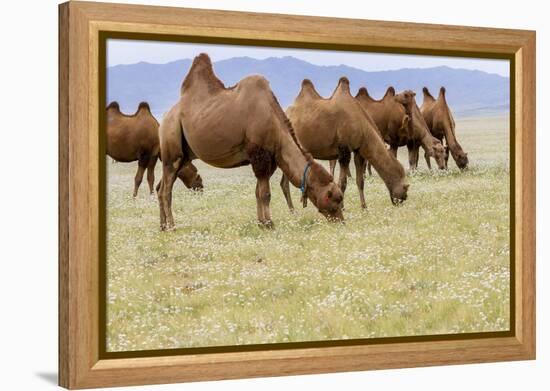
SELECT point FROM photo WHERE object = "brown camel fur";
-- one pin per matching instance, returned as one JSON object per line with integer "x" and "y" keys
{"x": 231, "y": 127}
{"x": 135, "y": 137}
{"x": 400, "y": 123}
{"x": 333, "y": 128}
{"x": 441, "y": 123}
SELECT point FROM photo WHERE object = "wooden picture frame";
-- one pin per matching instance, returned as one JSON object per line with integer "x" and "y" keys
{"x": 81, "y": 25}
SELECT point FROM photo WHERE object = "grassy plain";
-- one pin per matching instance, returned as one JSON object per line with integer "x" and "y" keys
{"x": 437, "y": 264}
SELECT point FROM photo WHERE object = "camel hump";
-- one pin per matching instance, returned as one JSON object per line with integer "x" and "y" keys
{"x": 202, "y": 71}
{"x": 442, "y": 91}
{"x": 389, "y": 92}
{"x": 114, "y": 105}
{"x": 307, "y": 83}
{"x": 363, "y": 92}
{"x": 343, "y": 83}
{"x": 144, "y": 105}
{"x": 308, "y": 89}
{"x": 203, "y": 58}
{"x": 426, "y": 92}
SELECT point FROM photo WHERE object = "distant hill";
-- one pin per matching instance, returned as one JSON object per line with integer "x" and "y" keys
{"x": 469, "y": 92}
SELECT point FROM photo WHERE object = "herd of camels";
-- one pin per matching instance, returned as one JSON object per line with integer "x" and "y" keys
{"x": 245, "y": 124}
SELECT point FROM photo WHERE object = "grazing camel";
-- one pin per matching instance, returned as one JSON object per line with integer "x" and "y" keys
{"x": 236, "y": 126}
{"x": 333, "y": 128}
{"x": 441, "y": 123}
{"x": 400, "y": 123}
{"x": 135, "y": 137}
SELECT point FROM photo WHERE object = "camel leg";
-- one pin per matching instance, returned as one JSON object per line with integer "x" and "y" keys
{"x": 332, "y": 166}
{"x": 413, "y": 157}
{"x": 360, "y": 177}
{"x": 263, "y": 198}
{"x": 447, "y": 152}
{"x": 139, "y": 177}
{"x": 428, "y": 161}
{"x": 264, "y": 165}
{"x": 393, "y": 150}
{"x": 344, "y": 157}
{"x": 369, "y": 167}
{"x": 169, "y": 175}
{"x": 286, "y": 191}
{"x": 151, "y": 173}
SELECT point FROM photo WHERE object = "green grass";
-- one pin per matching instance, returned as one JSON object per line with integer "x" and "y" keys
{"x": 437, "y": 264}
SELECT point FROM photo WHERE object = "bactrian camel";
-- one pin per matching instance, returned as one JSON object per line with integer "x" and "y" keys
{"x": 333, "y": 128}
{"x": 236, "y": 126}
{"x": 135, "y": 137}
{"x": 440, "y": 121}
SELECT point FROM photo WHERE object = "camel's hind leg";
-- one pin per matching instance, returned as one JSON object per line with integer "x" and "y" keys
{"x": 360, "y": 177}
{"x": 139, "y": 176}
{"x": 169, "y": 175}
{"x": 286, "y": 191}
{"x": 151, "y": 173}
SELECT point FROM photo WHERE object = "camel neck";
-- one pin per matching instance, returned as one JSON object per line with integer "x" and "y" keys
{"x": 426, "y": 139}
{"x": 290, "y": 159}
{"x": 374, "y": 150}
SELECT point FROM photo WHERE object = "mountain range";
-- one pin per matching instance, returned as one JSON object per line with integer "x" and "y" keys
{"x": 469, "y": 92}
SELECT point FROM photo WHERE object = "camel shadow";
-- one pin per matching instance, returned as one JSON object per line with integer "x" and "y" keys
{"x": 48, "y": 377}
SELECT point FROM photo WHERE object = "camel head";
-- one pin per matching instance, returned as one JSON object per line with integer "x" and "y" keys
{"x": 398, "y": 189}
{"x": 191, "y": 178}
{"x": 440, "y": 154}
{"x": 324, "y": 193}
{"x": 407, "y": 100}
{"x": 462, "y": 160}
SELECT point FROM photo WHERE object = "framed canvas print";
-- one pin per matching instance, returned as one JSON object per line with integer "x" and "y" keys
{"x": 248, "y": 195}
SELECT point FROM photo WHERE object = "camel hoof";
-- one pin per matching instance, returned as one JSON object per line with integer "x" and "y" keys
{"x": 267, "y": 224}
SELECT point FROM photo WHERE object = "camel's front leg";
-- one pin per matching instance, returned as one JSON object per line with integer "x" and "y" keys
{"x": 344, "y": 157}
{"x": 413, "y": 157}
{"x": 263, "y": 198}
{"x": 286, "y": 191}
{"x": 393, "y": 150}
{"x": 360, "y": 177}
{"x": 332, "y": 166}
{"x": 369, "y": 168}
{"x": 428, "y": 161}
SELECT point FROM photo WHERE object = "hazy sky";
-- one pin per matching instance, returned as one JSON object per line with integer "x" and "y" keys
{"x": 133, "y": 51}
